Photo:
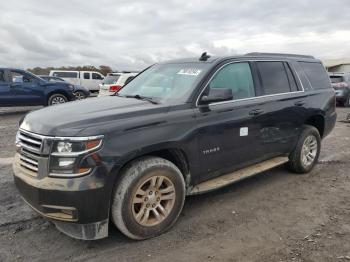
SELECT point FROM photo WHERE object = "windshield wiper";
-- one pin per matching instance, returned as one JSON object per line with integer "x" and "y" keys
{"x": 143, "y": 98}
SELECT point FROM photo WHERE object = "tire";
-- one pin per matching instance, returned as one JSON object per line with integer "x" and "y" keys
{"x": 56, "y": 99}
{"x": 79, "y": 95}
{"x": 128, "y": 204}
{"x": 310, "y": 137}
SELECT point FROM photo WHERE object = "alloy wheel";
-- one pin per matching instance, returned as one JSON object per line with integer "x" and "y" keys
{"x": 153, "y": 201}
{"x": 309, "y": 150}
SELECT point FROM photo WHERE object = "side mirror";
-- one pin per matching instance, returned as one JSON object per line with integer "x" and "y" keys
{"x": 217, "y": 95}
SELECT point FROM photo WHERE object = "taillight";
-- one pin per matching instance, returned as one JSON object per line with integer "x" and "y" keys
{"x": 114, "y": 88}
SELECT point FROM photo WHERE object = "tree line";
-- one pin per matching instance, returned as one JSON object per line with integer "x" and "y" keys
{"x": 45, "y": 71}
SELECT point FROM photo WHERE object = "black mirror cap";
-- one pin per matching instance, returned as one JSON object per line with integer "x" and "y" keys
{"x": 217, "y": 95}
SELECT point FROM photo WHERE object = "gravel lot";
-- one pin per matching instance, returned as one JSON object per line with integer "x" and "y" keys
{"x": 275, "y": 216}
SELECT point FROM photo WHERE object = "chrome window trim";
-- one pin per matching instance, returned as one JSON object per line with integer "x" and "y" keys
{"x": 249, "y": 98}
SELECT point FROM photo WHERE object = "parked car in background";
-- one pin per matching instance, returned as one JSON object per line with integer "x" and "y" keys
{"x": 89, "y": 79}
{"x": 114, "y": 82}
{"x": 341, "y": 85}
{"x": 79, "y": 91}
{"x": 21, "y": 88}
{"x": 179, "y": 128}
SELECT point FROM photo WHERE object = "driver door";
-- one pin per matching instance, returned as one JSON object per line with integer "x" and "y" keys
{"x": 25, "y": 89}
{"x": 229, "y": 132}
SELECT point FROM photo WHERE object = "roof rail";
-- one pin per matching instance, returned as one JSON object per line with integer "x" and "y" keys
{"x": 279, "y": 54}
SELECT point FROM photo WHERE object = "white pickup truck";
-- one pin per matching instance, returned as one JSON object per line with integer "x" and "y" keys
{"x": 88, "y": 79}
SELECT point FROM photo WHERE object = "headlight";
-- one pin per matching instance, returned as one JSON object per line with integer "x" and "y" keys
{"x": 74, "y": 148}
{"x": 71, "y": 87}
{"x": 71, "y": 157}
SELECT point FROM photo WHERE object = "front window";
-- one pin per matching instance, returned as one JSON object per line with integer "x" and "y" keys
{"x": 237, "y": 77}
{"x": 166, "y": 82}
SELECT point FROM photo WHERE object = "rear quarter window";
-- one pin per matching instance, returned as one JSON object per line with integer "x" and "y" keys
{"x": 316, "y": 74}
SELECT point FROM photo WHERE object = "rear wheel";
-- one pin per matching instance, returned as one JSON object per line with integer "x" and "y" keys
{"x": 56, "y": 99}
{"x": 149, "y": 198}
{"x": 306, "y": 153}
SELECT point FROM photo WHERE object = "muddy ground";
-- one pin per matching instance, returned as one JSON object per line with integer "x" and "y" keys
{"x": 275, "y": 216}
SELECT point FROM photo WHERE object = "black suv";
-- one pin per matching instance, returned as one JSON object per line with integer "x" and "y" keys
{"x": 179, "y": 128}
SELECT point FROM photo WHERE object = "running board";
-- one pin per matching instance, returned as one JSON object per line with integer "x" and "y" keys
{"x": 235, "y": 176}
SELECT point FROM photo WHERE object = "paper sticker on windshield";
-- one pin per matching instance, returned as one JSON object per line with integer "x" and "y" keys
{"x": 190, "y": 71}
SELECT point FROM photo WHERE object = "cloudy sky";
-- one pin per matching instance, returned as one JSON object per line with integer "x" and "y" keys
{"x": 134, "y": 34}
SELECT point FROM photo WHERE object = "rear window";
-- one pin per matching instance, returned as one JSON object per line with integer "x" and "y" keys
{"x": 316, "y": 74}
{"x": 66, "y": 74}
{"x": 274, "y": 77}
{"x": 110, "y": 79}
{"x": 336, "y": 79}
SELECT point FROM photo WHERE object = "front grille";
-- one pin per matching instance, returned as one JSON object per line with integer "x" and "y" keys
{"x": 30, "y": 149}
{"x": 30, "y": 142}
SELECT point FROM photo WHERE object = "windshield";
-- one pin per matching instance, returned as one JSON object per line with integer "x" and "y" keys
{"x": 166, "y": 82}
{"x": 110, "y": 79}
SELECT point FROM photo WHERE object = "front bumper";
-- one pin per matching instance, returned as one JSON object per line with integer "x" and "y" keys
{"x": 78, "y": 206}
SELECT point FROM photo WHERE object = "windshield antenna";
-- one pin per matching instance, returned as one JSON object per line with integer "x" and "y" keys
{"x": 204, "y": 57}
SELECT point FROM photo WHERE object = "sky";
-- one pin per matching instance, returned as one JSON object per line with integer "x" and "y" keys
{"x": 134, "y": 34}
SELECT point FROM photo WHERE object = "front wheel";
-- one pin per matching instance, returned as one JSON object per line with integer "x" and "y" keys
{"x": 57, "y": 99}
{"x": 148, "y": 198}
{"x": 306, "y": 153}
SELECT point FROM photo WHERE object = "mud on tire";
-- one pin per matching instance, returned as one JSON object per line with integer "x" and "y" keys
{"x": 148, "y": 198}
{"x": 306, "y": 153}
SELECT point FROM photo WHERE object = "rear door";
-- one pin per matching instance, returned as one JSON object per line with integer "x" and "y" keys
{"x": 5, "y": 95}
{"x": 228, "y": 132}
{"x": 282, "y": 103}
{"x": 25, "y": 89}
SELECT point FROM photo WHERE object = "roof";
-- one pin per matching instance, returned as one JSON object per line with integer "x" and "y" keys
{"x": 254, "y": 55}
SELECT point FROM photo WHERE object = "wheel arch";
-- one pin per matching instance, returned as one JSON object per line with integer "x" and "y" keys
{"x": 173, "y": 154}
{"x": 317, "y": 121}
{"x": 54, "y": 92}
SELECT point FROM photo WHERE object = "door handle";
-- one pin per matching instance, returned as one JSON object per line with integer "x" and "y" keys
{"x": 299, "y": 103}
{"x": 256, "y": 112}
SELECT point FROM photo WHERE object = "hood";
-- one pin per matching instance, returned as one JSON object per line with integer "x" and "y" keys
{"x": 92, "y": 116}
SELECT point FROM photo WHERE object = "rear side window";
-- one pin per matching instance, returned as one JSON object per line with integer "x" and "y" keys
{"x": 66, "y": 74}
{"x": 291, "y": 78}
{"x": 110, "y": 79}
{"x": 316, "y": 74}
{"x": 236, "y": 76}
{"x": 86, "y": 75}
{"x": 274, "y": 77}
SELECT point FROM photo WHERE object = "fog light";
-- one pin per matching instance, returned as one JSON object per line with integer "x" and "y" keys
{"x": 66, "y": 162}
